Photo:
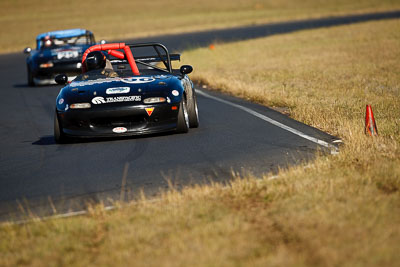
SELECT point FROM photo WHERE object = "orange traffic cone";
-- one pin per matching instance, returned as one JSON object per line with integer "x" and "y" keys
{"x": 370, "y": 125}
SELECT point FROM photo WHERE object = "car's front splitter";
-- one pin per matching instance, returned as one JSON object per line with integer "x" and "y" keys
{"x": 96, "y": 132}
{"x": 123, "y": 121}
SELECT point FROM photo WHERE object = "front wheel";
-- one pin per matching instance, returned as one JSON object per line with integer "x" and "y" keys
{"x": 59, "y": 135}
{"x": 183, "y": 117}
{"x": 31, "y": 81}
{"x": 193, "y": 111}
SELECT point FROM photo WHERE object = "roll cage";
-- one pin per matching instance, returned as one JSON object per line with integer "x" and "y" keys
{"x": 123, "y": 53}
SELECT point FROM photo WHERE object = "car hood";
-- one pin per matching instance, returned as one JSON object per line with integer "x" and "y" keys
{"x": 116, "y": 90}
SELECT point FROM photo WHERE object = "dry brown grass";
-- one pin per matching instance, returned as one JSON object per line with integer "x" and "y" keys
{"x": 325, "y": 77}
{"x": 341, "y": 210}
{"x": 22, "y": 20}
{"x": 310, "y": 216}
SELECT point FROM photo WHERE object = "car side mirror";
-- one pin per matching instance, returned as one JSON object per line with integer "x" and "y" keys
{"x": 27, "y": 50}
{"x": 186, "y": 69}
{"x": 61, "y": 79}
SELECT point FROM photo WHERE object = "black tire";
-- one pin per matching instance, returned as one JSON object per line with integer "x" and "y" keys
{"x": 192, "y": 110}
{"x": 31, "y": 81}
{"x": 183, "y": 118}
{"x": 59, "y": 135}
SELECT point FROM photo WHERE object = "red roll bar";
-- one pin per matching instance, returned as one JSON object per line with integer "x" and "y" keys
{"x": 112, "y": 50}
{"x": 117, "y": 54}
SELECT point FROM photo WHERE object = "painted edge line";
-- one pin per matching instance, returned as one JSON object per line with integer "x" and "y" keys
{"x": 273, "y": 122}
{"x": 250, "y": 111}
{"x": 57, "y": 216}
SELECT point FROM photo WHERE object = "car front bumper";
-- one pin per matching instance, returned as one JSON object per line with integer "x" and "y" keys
{"x": 71, "y": 69}
{"x": 121, "y": 121}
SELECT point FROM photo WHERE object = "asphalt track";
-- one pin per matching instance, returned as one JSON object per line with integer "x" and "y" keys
{"x": 40, "y": 177}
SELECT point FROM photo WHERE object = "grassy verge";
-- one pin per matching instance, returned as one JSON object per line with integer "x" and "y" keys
{"x": 342, "y": 210}
{"x": 22, "y": 20}
{"x": 323, "y": 78}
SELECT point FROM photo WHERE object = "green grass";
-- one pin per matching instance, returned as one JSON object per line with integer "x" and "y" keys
{"x": 22, "y": 20}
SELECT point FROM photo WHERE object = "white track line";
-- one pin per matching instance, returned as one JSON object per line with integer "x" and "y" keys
{"x": 250, "y": 111}
{"x": 276, "y": 123}
{"x": 57, "y": 216}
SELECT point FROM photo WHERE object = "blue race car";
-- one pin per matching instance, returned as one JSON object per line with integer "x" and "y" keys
{"x": 134, "y": 92}
{"x": 57, "y": 52}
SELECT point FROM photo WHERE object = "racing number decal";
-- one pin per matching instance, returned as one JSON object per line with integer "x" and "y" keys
{"x": 67, "y": 54}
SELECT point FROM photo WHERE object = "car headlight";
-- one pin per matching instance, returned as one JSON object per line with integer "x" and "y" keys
{"x": 80, "y": 105}
{"x": 153, "y": 100}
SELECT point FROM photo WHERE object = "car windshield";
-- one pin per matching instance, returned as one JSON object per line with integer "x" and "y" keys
{"x": 119, "y": 70}
{"x": 150, "y": 59}
{"x": 60, "y": 42}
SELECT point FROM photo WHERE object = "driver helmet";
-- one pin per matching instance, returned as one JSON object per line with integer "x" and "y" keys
{"x": 47, "y": 41}
{"x": 95, "y": 60}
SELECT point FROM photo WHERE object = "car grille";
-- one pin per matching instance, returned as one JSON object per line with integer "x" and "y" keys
{"x": 129, "y": 121}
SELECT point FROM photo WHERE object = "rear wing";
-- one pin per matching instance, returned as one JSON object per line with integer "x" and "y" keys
{"x": 126, "y": 56}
